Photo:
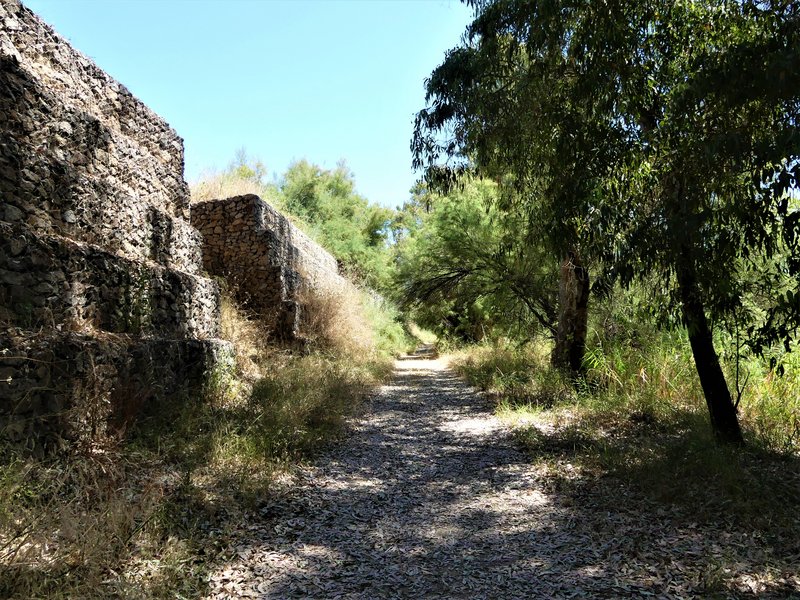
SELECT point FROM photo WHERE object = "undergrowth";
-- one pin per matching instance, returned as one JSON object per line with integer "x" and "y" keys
{"x": 147, "y": 515}
{"x": 639, "y": 416}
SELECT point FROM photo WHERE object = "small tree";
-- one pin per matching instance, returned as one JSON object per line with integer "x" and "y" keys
{"x": 354, "y": 230}
{"x": 465, "y": 253}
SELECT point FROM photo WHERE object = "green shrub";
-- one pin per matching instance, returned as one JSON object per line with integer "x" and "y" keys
{"x": 639, "y": 415}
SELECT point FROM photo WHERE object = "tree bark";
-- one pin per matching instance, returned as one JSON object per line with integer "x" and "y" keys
{"x": 724, "y": 420}
{"x": 573, "y": 305}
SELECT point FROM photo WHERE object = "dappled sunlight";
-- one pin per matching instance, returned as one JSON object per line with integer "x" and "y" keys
{"x": 357, "y": 483}
{"x": 430, "y": 496}
{"x": 477, "y": 427}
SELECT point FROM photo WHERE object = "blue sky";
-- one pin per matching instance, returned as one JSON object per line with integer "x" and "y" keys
{"x": 323, "y": 80}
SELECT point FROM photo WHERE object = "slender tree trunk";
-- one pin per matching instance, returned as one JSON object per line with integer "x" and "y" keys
{"x": 724, "y": 420}
{"x": 573, "y": 305}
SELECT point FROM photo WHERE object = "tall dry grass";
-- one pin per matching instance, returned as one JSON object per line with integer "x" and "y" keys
{"x": 333, "y": 318}
{"x": 249, "y": 336}
{"x": 88, "y": 526}
{"x": 215, "y": 185}
{"x": 134, "y": 517}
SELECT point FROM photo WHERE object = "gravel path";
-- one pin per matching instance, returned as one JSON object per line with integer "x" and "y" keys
{"x": 429, "y": 498}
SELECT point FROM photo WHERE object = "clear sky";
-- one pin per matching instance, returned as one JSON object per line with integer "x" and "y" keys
{"x": 322, "y": 79}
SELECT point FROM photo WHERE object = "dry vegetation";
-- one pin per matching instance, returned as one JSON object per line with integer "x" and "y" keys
{"x": 213, "y": 186}
{"x": 335, "y": 318}
{"x": 146, "y": 516}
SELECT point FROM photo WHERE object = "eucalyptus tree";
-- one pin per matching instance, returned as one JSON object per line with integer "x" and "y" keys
{"x": 658, "y": 136}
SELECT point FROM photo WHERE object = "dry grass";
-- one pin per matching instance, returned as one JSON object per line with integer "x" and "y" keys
{"x": 215, "y": 185}
{"x": 73, "y": 526}
{"x": 147, "y": 516}
{"x": 248, "y": 336}
{"x": 333, "y": 318}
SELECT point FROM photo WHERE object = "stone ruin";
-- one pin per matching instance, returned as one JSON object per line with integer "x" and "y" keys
{"x": 102, "y": 297}
{"x": 105, "y": 306}
{"x": 264, "y": 258}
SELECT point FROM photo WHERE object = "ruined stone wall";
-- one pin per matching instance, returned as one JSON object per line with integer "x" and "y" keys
{"x": 263, "y": 255}
{"x": 94, "y": 234}
{"x": 58, "y": 388}
{"x": 52, "y": 280}
{"x": 81, "y": 156}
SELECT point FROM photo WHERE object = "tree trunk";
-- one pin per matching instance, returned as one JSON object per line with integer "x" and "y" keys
{"x": 573, "y": 303}
{"x": 724, "y": 420}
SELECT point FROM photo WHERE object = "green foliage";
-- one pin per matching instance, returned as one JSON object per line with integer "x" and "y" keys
{"x": 296, "y": 409}
{"x": 770, "y": 402}
{"x": 243, "y": 167}
{"x": 353, "y": 230}
{"x": 386, "y": 321}
{"x": 514, "y": 375}
{"x": 640, "y": 373}
{"x": 470, "y": 269}
{"x": 627, "y": 127}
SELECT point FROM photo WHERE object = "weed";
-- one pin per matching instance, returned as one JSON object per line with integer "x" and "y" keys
{"x": 421, "y": 335}
{"x": 227, "y": 184}
{"x": 247, "y": 335}
{"x": 513, "y": 375}
{"x": 148, "y": 515}
{"x": 348, "y": 321}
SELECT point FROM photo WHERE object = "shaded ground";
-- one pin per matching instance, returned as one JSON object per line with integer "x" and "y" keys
{"x": 430, "y": 497}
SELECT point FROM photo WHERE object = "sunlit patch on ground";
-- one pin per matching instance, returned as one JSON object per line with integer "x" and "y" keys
{"x": 478, "y": 427}
{"x": 431, "y": 496}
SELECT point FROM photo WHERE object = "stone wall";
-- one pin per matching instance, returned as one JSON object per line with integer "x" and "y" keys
{"x": 54, "y": 280}
{"x": 263, "y": 256}
{"x": 97, "y": 258}
{"x": 81, "y": 156}
{"x": 58, "y": 388}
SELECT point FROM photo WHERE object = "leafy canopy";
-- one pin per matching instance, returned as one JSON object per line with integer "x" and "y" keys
{"x": 661, "y": 136}
{"x": 463, "y": 259}
{"x": 345, "y": 223}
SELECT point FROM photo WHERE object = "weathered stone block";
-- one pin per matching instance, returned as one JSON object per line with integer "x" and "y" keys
{"x": 263, "y": 256}
{"x": 56, "y": 281}
{"x": 82, "y": 157}
{"x": 61, "y": 386}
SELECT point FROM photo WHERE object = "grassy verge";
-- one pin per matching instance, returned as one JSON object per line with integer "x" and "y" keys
{"x": 148, "y": 516}
{"x": 634, "y": 438}
{"x": 639, "y": 418}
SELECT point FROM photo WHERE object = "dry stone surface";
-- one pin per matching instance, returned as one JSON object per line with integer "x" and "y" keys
{"x": 264, "y": 257}
{"x": 430, "y": 498}
{"x": 97, "y": 257}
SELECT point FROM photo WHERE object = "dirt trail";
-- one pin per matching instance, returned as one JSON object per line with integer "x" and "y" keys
{"x": 429, "y": 498}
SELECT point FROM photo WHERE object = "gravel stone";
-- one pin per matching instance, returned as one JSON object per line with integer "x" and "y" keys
{"x": 430, "y": 498}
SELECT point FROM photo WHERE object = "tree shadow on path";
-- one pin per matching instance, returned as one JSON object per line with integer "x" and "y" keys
{"x": 430, "y": 497}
